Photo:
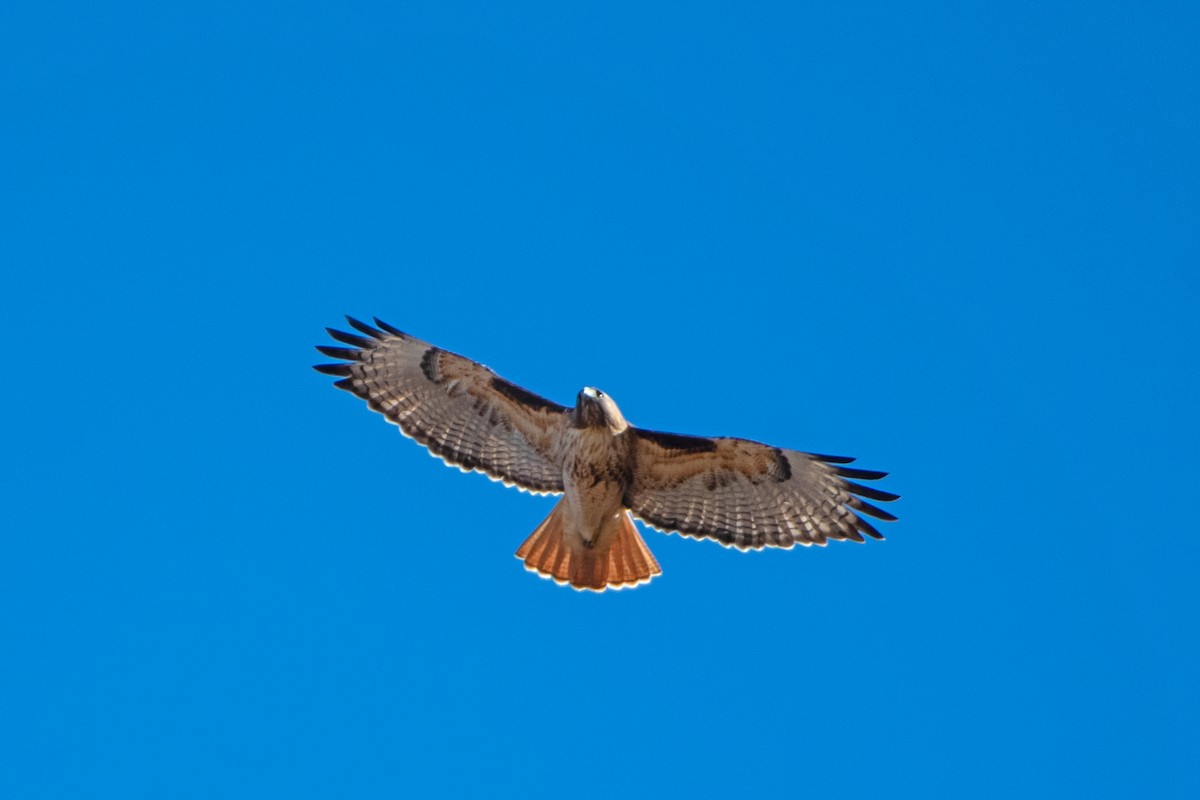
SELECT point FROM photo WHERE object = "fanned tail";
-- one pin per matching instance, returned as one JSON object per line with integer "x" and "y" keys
{"x": 619, "y": 559}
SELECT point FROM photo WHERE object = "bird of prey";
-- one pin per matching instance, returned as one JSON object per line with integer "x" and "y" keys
{"x": 737, "y": 492}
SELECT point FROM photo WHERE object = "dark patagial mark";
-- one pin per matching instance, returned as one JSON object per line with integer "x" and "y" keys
{"x": 429, "y": 365}
{"x": 678, "y": 442}
{"x": 524, "y": 396}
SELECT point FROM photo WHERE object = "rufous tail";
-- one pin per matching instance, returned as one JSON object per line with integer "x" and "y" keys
{"x": 619, "y": 558}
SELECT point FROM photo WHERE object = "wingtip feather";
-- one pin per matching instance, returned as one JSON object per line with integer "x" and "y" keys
{"x": 389, "y": 328}
{"x": 860, "y": 474}
{"x": 832, "y": 459}
{"x": 344, "y": 353}
{"x": 363, "y": 327}
{"x": 874, "y": 494}
{"x": 863, "y": 526}
{"x": 858, "y": 504}
{"x": 349, "y": 338}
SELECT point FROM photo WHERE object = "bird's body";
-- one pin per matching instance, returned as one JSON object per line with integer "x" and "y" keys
{"x": 597, "y": 460}
{"x": 595, "y": 475}
{"x": 741, "y": 493}
{"x": 589, "y": 540}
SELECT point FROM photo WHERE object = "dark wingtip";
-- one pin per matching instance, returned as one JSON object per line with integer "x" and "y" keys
{"x": 389, "y": 328}
{"x": 858, "y": 504}
{"x": 363, "y": 327}
{"x": 863, "y": 526}
{"x": 860, "y": 474}
{"x": 346, "y": 384}
{"x": 349, "y": 338}
{"x": 332, "y": 369}
{"x": 874, "y": 494}
{"x": 344, "y": 353}
{"x": 832, "y": 459}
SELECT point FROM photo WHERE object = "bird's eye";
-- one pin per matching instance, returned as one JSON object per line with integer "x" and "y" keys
{"x": 599, "y": 393}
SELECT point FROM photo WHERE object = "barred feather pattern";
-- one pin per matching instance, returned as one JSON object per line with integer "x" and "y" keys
{"x": 459, "y": 409}
{"x": 749, "y": 495}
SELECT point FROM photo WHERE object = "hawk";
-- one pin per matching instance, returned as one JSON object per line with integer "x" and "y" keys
{"x": 737, "y": 492}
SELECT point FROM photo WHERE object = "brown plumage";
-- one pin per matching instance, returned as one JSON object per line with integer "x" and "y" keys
{"x": 737, "y": 492}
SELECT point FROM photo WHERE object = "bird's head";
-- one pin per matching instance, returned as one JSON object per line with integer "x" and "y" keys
{"x": 595, "y": 409}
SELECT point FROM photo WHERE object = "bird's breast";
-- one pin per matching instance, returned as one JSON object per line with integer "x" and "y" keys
{"x": 595, "y": 476}
{"x": 595, "y": 457}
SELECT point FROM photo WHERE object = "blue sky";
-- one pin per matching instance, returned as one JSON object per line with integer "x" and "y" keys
{"x": 958, "y": 241}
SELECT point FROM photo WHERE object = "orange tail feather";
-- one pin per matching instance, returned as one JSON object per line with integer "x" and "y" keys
{"x": 625, "y": 561}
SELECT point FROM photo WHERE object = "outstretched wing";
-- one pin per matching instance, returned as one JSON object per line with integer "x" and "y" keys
{"x": 462, "y": 411}
{"x": 749, "y": 495}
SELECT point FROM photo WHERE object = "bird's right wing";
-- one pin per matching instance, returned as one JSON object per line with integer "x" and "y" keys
{"x": 749, "y": 495}
{"x": 459, "y": 409}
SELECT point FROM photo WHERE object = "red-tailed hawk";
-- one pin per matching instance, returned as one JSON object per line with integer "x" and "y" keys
{"x": 740, "y": 493}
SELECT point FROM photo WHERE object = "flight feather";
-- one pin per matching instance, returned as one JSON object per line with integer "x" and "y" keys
{"x": 459, "y": 409}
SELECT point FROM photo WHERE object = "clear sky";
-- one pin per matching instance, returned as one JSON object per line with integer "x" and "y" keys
{"x": 958, "y": 241}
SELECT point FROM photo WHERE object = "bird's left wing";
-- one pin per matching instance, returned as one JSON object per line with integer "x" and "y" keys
{"x": 459, "y": 409}
{"x": 749, "y": 495}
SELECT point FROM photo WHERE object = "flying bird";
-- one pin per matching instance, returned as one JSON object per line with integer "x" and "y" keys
{"x": 740, "y": 493}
